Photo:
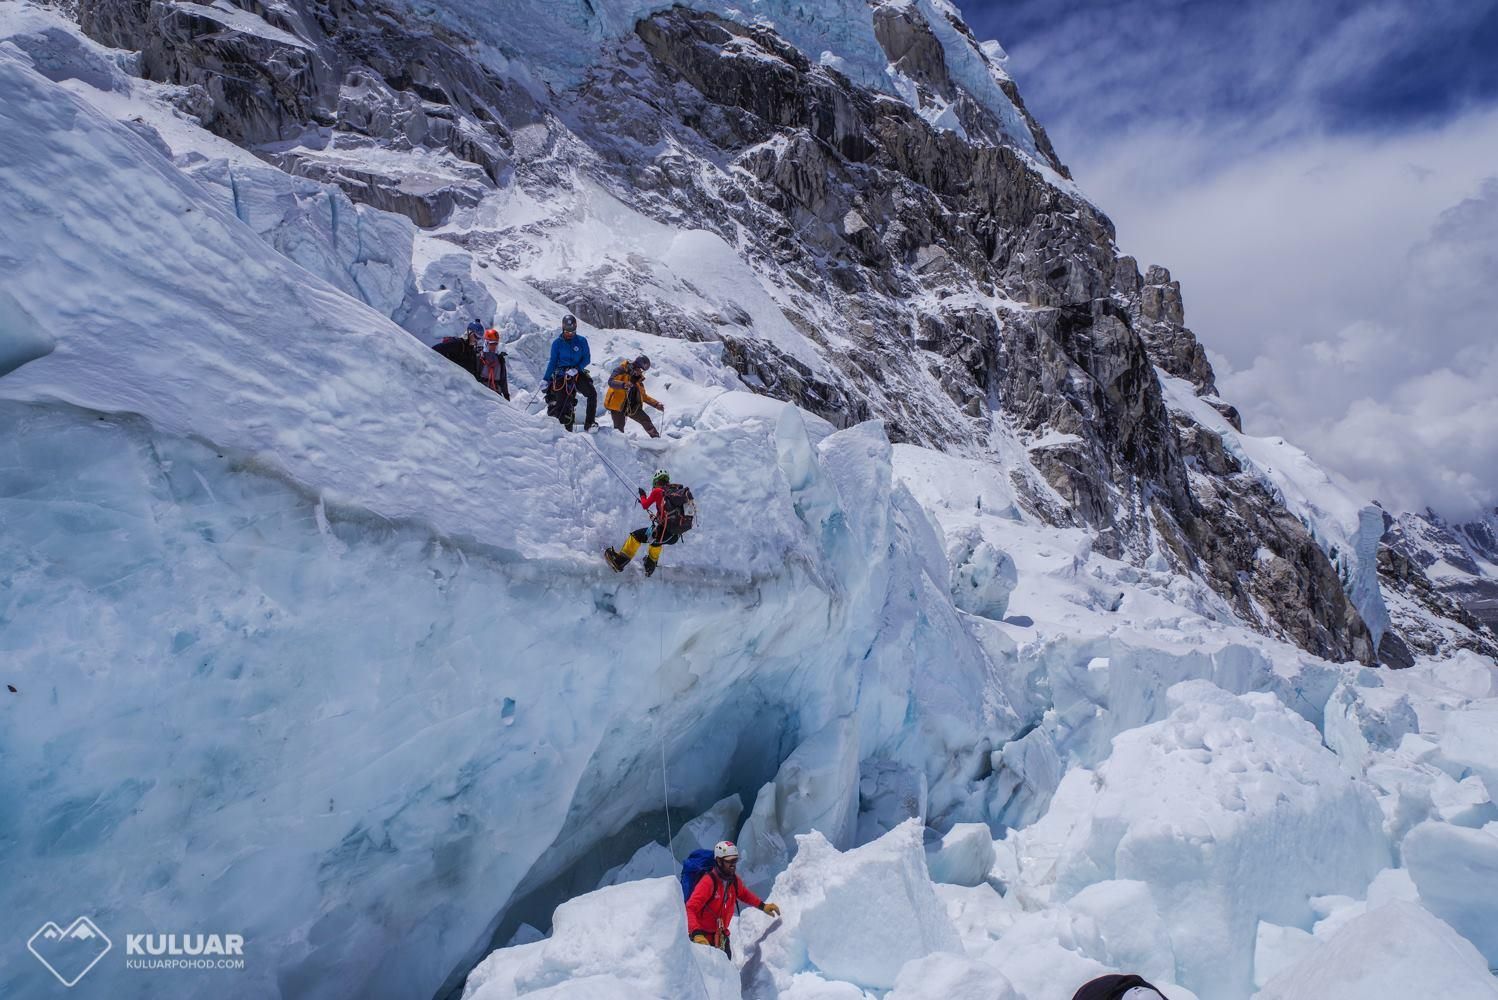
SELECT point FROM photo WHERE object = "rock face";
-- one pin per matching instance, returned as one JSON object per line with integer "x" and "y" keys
{"x": 897, "y": 235}
{"x": 931, "y": 251}
{"x": 330, "y": 79}
{"x": 1443, "y": 579}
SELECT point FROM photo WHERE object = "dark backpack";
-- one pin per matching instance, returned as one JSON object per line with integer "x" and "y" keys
{"x": 681, "y": 509}
{"x": 456, "y": 350}
{"x": 696, "y": 865}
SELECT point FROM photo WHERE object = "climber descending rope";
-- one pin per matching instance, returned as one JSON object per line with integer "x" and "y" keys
{"x": 673, "y": 512}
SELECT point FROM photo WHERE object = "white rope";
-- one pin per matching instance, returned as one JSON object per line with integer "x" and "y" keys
{"x": 609, "y": 465}
{"x": 661, "y": 696}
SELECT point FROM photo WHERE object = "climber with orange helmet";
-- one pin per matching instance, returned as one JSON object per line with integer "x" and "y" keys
{"x": 494, "y": 371}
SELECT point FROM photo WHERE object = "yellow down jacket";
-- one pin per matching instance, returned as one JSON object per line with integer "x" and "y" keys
{"x": 617, "y": 398}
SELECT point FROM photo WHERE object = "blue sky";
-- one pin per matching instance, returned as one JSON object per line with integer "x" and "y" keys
{"x": 1322, "y": 175}
{"x": 1341, "y": 64}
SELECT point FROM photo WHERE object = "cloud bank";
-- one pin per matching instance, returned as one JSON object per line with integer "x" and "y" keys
{"x": 1323, "y": 178}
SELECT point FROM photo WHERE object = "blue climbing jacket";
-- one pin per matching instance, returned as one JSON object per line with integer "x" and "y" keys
{"x": 566, "y": 355}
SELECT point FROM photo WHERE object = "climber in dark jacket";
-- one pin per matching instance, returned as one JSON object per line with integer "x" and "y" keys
{"x": 570, "y": 351}
{"x": 1116, "y": 987}
{"x": 462, "y": 351}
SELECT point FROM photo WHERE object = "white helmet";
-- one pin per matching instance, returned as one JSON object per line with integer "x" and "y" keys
{"x": 725, "y": 849}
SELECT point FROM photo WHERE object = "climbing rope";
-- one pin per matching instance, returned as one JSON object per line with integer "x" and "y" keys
{"x": 610, "y": 465}
{"x": 660, "y": 630}
{"x": 660, "y": 681}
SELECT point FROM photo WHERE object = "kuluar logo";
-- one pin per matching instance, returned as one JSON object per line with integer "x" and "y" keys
{"x": 69, "y": 954}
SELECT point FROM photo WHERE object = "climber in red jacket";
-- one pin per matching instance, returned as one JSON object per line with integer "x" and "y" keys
{"x": 711, "y": 907}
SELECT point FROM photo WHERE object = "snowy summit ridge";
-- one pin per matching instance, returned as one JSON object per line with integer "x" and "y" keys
{"x": 1004, "y": 652}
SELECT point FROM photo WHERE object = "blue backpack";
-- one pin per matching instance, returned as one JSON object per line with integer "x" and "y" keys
{"x": 696, "y": 865}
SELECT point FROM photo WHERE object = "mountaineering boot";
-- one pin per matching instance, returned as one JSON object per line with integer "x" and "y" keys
{"x": 614, "y": 559}
{"x": 649, "y": 565}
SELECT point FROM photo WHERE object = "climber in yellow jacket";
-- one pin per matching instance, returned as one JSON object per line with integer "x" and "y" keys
{"x": 626, "y": 397}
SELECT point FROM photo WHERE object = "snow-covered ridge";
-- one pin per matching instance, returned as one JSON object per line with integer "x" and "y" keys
{"x": 561, "y": 42}
{"x": 1347, "y": 527}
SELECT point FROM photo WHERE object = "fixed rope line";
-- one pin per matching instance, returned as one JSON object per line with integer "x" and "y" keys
{"x": 609, "y": 465}
{"x": 661, "y": 696}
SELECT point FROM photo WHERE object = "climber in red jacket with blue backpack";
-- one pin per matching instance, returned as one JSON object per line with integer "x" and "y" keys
{"x": 715, "y": 897}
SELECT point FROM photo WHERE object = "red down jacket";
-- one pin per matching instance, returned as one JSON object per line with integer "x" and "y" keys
{"x": 713, "y": 901}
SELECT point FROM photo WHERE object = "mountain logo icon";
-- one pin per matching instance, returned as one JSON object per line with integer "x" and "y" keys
{"x": 69, "y": 954}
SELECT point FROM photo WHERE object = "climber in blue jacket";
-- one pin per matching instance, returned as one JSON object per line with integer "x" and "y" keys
{"x": 569, "y": 352}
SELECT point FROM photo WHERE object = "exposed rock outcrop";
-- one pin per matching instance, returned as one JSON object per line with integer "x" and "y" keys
{"x": 1440, "y": 576}
{"x": 905, "y": 232}
{"x": 300, "y": 82}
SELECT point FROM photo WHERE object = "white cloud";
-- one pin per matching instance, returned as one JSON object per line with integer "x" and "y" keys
{"x": 1347, "y": 288}
{"x": 1308, "y": 171}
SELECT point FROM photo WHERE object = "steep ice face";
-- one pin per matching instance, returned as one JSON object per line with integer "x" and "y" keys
{"x": 440, "y": 750}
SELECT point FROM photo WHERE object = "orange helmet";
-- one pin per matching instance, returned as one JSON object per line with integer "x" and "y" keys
{"x": 491, "y": 335}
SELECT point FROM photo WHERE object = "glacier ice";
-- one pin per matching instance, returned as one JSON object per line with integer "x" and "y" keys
{"x": 721, "y": 822}
{"x": 245, "y": 486}
{"x": 626, "y": 940}
{"x": 857, "y": 916}
{"x": 963, "y": 856}
{"x": 1210, "y": 808}
{"x": 948, "y": 977}
{"x": 1395, "y": 950}
{"x": 1454, "y": 869}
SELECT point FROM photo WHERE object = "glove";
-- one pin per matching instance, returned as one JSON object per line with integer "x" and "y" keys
{"x": 659, "y": 406}
{"x": 642, "y": 491}
{"x": 701, "y": 938}
{"x": 771, "y": 909}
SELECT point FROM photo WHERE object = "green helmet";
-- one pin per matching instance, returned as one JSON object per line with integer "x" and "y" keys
{"x": 661, "y": 478}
